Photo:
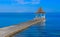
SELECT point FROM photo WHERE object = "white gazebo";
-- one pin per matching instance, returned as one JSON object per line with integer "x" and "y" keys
{"x": 40, "y": 14}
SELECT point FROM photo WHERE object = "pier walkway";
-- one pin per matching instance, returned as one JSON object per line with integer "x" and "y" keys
{"x": 12, "y": 30}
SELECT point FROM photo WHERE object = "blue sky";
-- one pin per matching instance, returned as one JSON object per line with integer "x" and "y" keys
{"x": 29, "y": 5}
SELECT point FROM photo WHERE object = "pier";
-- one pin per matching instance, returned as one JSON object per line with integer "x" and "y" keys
{"x": 10, "y": 31}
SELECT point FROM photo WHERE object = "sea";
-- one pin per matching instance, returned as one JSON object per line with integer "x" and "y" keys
{"x": 51, "y": 27}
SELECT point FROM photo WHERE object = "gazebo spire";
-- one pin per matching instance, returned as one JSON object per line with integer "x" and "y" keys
{"x": 40, "y": 11}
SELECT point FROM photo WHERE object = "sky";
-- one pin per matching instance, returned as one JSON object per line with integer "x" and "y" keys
{"x": 29, "y": 5}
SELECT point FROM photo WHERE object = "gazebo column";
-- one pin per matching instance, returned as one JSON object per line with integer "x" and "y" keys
{"x": 43, "y": 15}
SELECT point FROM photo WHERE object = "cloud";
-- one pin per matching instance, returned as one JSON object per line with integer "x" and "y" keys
{"x": 35, "y": 1}
{"x": 28, "y": 2}
{"x": 13, "y": 6}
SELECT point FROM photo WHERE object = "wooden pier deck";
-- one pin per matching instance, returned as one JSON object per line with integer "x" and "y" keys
{"x": 12, "y": 30}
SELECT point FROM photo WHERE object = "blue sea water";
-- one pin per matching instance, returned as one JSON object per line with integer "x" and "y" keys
{"x": 8, "y": 19}
{"x": 51, "y": 28}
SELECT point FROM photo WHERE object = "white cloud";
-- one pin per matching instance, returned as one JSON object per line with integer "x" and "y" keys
{"x": 35, "y": 1}
{"x": 30, "y": 2}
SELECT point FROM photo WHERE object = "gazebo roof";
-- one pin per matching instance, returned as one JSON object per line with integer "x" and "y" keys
{"x": 40, "y": 11}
